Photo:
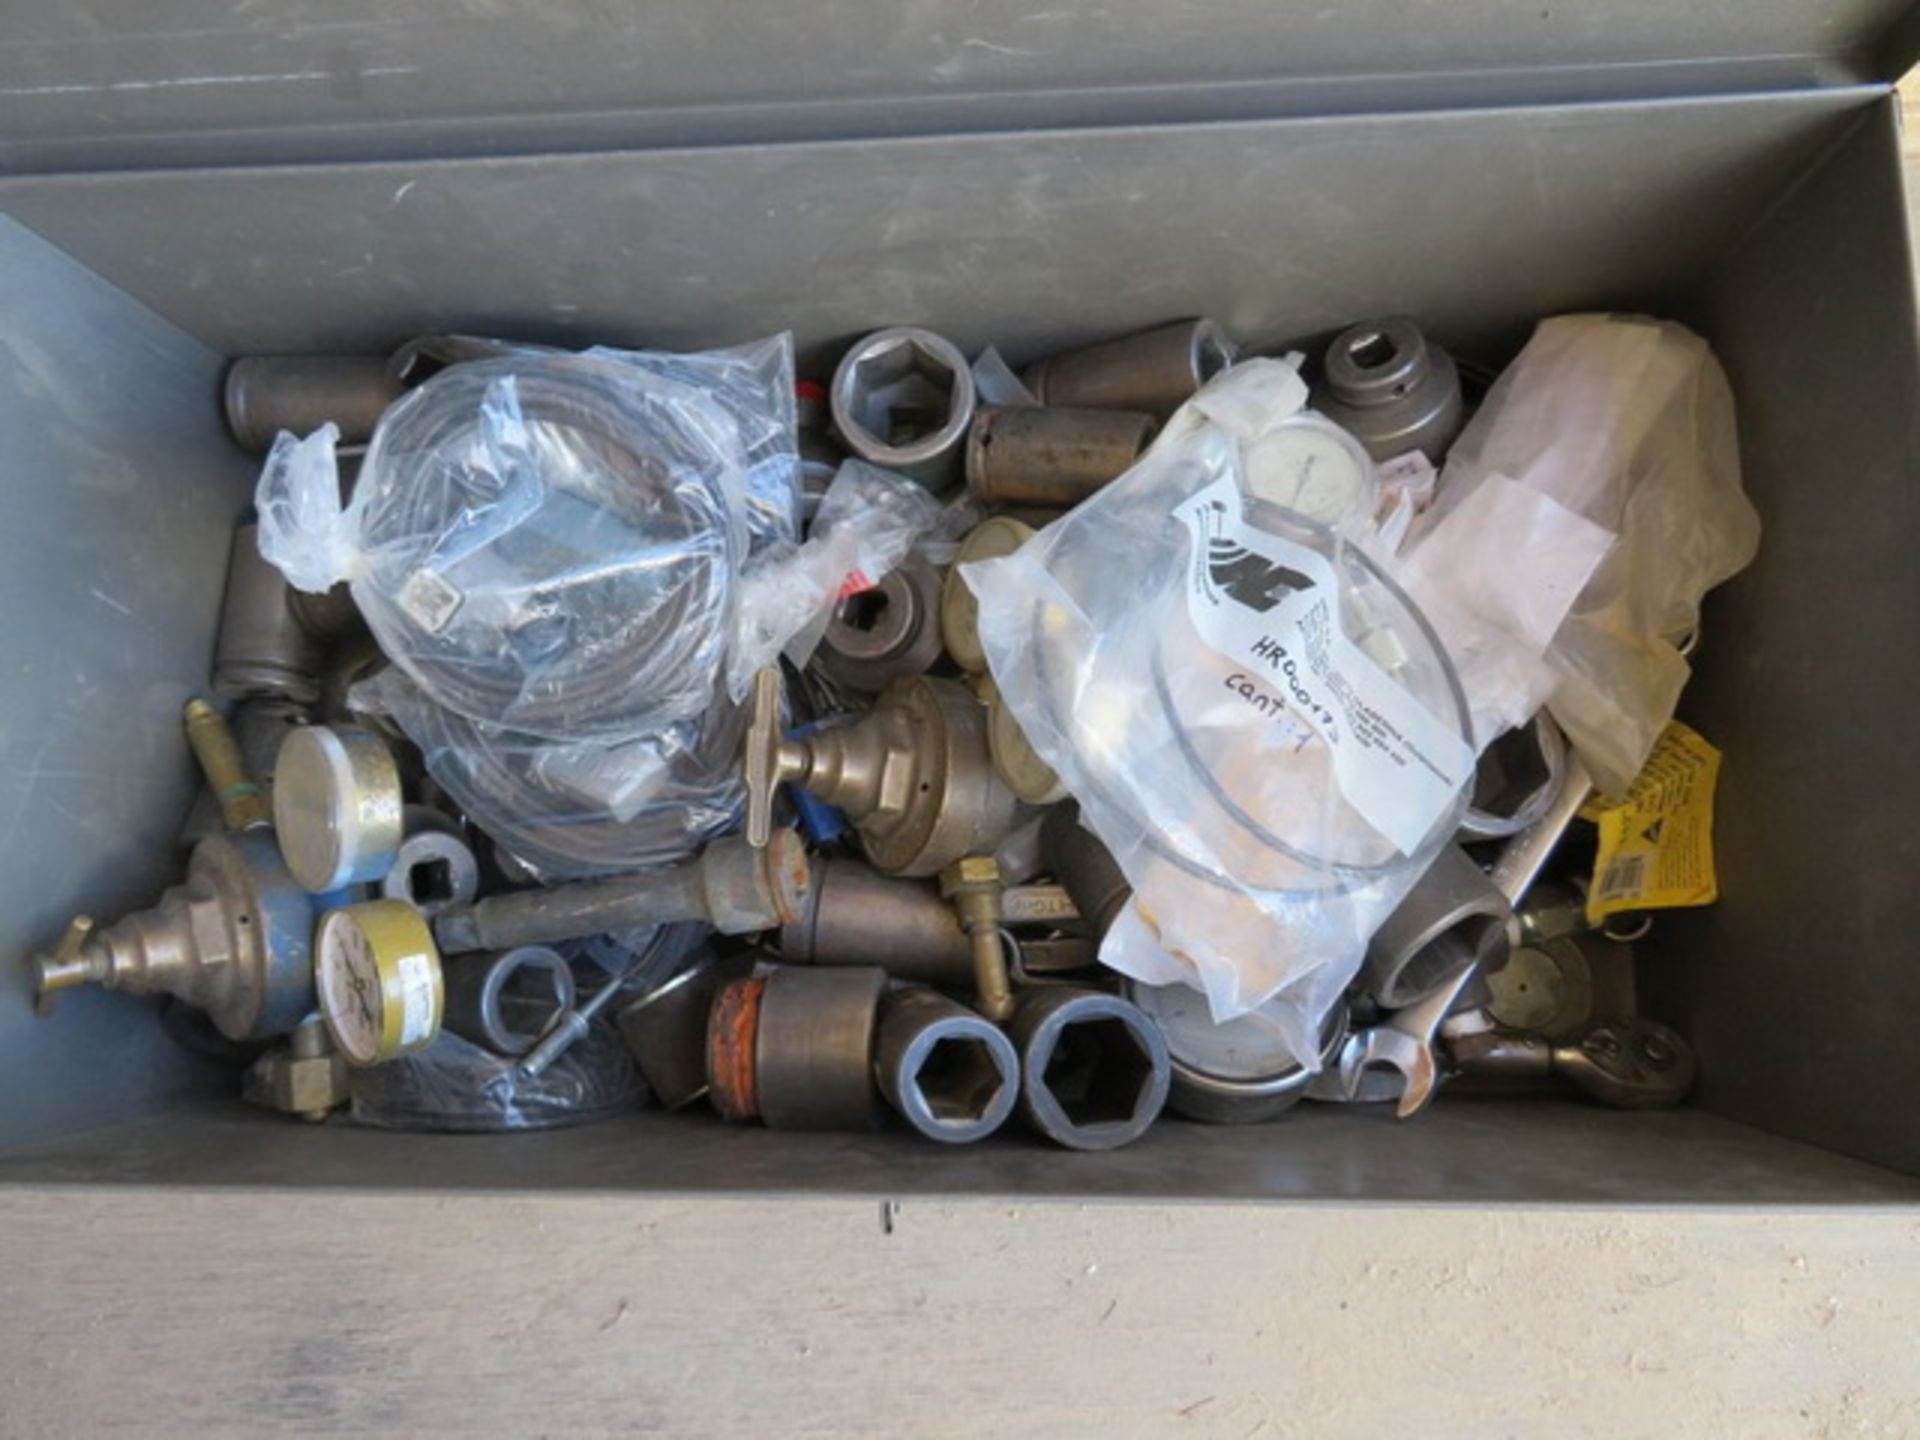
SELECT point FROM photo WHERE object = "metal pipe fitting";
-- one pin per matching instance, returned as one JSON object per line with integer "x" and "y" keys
{"x": 856, "y": 916}
{"x": 1094, "y": 1071}
{"x": 1155, "y": 371}
{"x": 1516, "y": 780}
{"x": 434, "y": 872}
{"x": 950, "y": 1074}
{"x": 795, "y": 1048}
{"x": 732, "y": 886}
{"x": 475, "y": 986}
{"x": 1392, "y": 390}
{"x": 902, "y": 399}
{"x": 959, "y": 608}
{"x": 337, "y": 806}
{"x": 234, "y": 939}
{"x": 914, "y": 774}
{"x": 881, "y": 634}
{"x": 1085, "y": 869}
{"x": 242, "y": 806}
{"x": 306, "y": 1077}
{"x": 262, "y": 648}
{"x": 972, "y": 886}
{"x": 1052, "y": 458}
{"x": 265, "y": 394}
{"x": 1453, "y": 914}
{"x": 665, "y": 1030}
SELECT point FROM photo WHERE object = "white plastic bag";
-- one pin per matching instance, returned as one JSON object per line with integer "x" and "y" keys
{"x": 1627, "y": 423}
{"x": 1255, "y": 720}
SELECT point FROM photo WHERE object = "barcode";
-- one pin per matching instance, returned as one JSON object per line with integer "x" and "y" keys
{"x": 1625, "y": 876}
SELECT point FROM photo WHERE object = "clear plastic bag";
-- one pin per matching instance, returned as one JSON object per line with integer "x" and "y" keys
{"x": 1255, "y": 719}
{"x": 571, "y": 811}
{"x": 551, "y": 544}
{"x": 456, "y": 1086}
{"x": 1628, "y": 423}
{"x": 867, "y": 523}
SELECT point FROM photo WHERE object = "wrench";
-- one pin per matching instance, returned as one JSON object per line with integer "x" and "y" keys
{"x": 1406, "y": 1042}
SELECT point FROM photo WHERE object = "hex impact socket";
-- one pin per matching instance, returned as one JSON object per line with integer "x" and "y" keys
{"x": 902, "y": 399}
{"x": 1094, "y": 1070}
{"x": 1155, "y": 371}
{"x": 951, "y": 1074}
{"x": 731, "y": 885}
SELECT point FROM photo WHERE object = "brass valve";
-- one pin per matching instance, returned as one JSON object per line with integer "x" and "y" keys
{"x": 233, "y": 939}
{"x": 242, "y": 806}
{"x": 914, "y": 774}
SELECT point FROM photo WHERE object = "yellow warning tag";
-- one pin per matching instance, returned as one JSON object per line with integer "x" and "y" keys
{"x": 1656, "y": 846}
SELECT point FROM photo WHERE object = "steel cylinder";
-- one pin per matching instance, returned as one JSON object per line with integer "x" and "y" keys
{"x": 1094, "y": 1071}
{"x": 857, "y": 916}
{"x": 665, "y": 1030}
{"x": 262, "y": 648}
{"x": 814, "y": 1048}
{"x": 1392, "y": 390}
{"x": 1051, "y": 457}
{"x": 902, "y": 399}
{"x": 266, "y": 394}
{"x": 950, "y": 1073}
{"x": 1085, "y": 869}
{"x": 1155, "y": 371}
{"x": 1453, "y": 914}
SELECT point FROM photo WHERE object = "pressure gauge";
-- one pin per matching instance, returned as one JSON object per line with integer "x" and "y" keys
{"x": 337, "y": 808}
{"x": 1231, "y": 1074}
{"x": 378, "y": 975}
{"x": 1309, "y": 465}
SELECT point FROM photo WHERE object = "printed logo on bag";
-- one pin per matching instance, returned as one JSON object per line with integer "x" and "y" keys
{"x": 1255, "y": 580}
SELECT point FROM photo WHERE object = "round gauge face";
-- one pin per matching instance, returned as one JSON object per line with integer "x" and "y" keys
{"x": 1311, "y": 466}
{"x": 351, "y": 997}
{"x": 1249, "y": 1048}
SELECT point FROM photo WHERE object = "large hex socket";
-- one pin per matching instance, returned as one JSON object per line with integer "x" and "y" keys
{"x": 266, "y": 394}
{"x": 1155, "y": 371}
{"x": 1051, "y": 458}
{"x": 262, "y": 648}
{"x": 734, "y": 887}
{"x": 433, "y": 871}
{"x": 857, "y": 916}
{"x": 902, "y": 399}
{"x": 813, "y": 1049}
{"x": 886, "y": 632}
{"x": 1453, "y": 914}
{"x": 1390, "y": 389}
{"x": 1094, "y": 1071}
{"x": 951, "y": 1074}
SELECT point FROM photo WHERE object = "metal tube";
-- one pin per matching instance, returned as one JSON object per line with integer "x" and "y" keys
{"x": 241, "y": 803}
{"x": 738, "y": 889}
{"x": 266, "y": 394}
{"x": 1052, "y": 458}
{"x": 1155, "y": 371}
{"x": 950, "y": 1074}
{"x": 1085, "y": 869}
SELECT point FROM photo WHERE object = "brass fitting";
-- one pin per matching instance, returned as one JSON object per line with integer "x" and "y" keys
{"x": 242, "y": 806}
{"x": 914, "y": 774}
{"x": 307, "y": 1077}
{"x": 972, "y": 886}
